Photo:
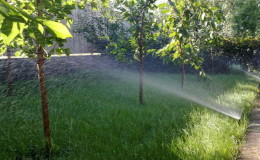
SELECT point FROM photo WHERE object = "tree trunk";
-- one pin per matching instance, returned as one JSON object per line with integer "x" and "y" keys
{"x": 212, "y": 59}
{"x": 183, "y": 75}
{"x": 45, "y": 112}
{"x": 9, "y": 74}
{"x": 141, "y": 73}
{"x": 41, "y": 77}
{"x": 141, "y": 58}
{"x": 183, "y": 67}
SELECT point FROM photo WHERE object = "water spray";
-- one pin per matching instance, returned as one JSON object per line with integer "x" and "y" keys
{"x": 255, "y": 76}
{"x": 231, "y": 112}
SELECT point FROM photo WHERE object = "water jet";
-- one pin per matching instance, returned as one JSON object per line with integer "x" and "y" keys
{"x": 228, "y": 111}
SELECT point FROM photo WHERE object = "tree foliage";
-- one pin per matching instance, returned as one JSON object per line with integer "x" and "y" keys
{"x": 243, "y": 50}
{"x": 189, "y": 24}
{"x": 21, "y": 28}
{"x": 139, "y": 19}
{"x": 246, "y": 17}
{"x": 35, "y": 27}
{"x": 98, "y": 27}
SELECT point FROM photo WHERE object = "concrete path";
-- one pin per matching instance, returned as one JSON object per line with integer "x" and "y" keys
{"x": 251, "y": 148}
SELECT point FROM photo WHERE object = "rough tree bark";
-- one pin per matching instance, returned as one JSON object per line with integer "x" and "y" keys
{"x": 45, "y": 112}
{"x": 141, "y": 58}
{"x": 9, "y": 70}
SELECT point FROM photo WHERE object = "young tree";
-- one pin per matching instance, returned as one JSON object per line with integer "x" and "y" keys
{"x": 140, "y": 16}
{"x": 189, "y": 23}
{"x": 39, "y": 33}
{"x": 32, "y": 26}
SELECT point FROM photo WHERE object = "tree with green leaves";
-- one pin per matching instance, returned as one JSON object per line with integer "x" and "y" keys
{"x": 189, "y": 24}
{"x": 100, "y": 27}
{"x": 243, "y": 50}
{"x": 32, "y": 28}
{"x": 140, "y": 16}
{"x": 246, "y": 16}
{"x": 25, "y": 24}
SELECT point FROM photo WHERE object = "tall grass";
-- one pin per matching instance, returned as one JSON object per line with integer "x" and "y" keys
{"x": 96, "y": 116}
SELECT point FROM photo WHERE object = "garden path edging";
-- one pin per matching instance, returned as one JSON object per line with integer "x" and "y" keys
{"x": 251, "y": 148}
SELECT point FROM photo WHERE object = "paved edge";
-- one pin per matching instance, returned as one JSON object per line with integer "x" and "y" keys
{"x": 251, "y": 148}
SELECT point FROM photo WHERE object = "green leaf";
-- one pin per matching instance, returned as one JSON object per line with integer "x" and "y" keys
{"x": 58, "y": 1}
{"x": 16, "y": 18}
{"x": 40, "y": 28}
{"x": 47, "y": 4}
{"x": 172, "y": 34}
{"x": 69, "y": 22}
{"x": 67, "y": 51}
{"x": 21, "y": 27}
{"x": 3, "y": 49}
{"x": 214, "y": 8}
{"x": 165, "y": 11}
{"x": 93, "y": 4}
{"x": 162, "y": 5}
{"x": 60, "y": 30}
{"x": 6, "y": 27}
{"x": 18, "y": 53}
{"x": 15, "y": 11}
{"x": 36, "y": 34}
{"x": 4, "y": 9}
{"x": 1, "y": 18}
{"x": 10, "y": 29}
{"x": 176, "y": 55}
{"x": 149, "y": 51}
{"x": 59, "y": 51}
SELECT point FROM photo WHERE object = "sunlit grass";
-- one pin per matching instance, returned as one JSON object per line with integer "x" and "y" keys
{"x": 95, "y": 115}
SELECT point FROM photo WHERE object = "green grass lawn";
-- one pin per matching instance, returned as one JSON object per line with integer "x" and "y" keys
{"x": 96, "y": 116}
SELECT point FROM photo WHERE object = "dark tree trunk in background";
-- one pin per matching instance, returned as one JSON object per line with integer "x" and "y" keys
{"x": 183, "y": 75}
{"x": 141, "y": 58}
{"x": 212, "y": 59}
{"x": 45, "y": 112}
{"x": 182, "y": 67}
{"x": 141, "y": 73}
{"x": 9, "y": 79}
